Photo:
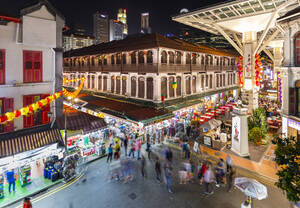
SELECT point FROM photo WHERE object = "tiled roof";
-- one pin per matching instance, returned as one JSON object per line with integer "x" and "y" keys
{"x": 28, "y": 139}
{"x": 81, "y": 121}
{"x": 122, "y": 109}
{"x": 140, "y": 42}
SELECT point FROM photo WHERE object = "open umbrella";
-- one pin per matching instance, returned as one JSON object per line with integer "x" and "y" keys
{"x": 251, "y": 188}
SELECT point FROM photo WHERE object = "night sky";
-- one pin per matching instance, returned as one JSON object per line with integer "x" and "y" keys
{"x": 81, "y": 11}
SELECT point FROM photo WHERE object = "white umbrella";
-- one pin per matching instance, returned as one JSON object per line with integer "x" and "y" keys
{"x": 251, "y": 188}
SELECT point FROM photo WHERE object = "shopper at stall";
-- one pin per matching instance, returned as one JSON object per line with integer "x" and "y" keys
{"x": 10, "y": 176}
{"x": 208, "y": 180}
{"x": 117, "y": 150}
{"x": 109, "y": 153}
{"x": 202, "y": 172}
{"x": 158, "y": 169}
{"x": 27, "y": 203}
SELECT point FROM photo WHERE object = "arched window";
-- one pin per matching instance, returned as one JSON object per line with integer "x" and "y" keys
{"x": 74, "y": 62}
{"x": 217, "y": 60}
{"x": 206, "y": 59}
{"x": 88, "y": 61}
{"x": 105, "y": 60}
{"x": 210, "y": 81}
{"x": 124, "y": 58}
{"x": 82, "y": 62}
{"x": 188, "y": 58}
{"x": 194, "y": 58}
{"x": 112, "y": 59}
{"x": 202, "y": 59}
{"x": 133, "y": 57}
{"x": 149, "y": 57}
{"x": 163, "y": 57}
{"x": 141, "y": 57}
{"x": 178, "y": 57}
{"x": 233, "y": 61}
{"x": 217, "y": 80}
{"x": 99, "y": 61}
{"x": 118, "y": 56}
{"x": 211, "y": 60}
{"x": 297, "y": 47}
{"x": 171, "y": 57}
{"x": 93, "y": 61}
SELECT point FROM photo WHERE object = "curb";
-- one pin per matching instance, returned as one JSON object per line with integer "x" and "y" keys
{"x": 260, "y": 177}
{"x": 46, "y": 188}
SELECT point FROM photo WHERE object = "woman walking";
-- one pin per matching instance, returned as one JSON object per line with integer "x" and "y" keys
{"x": 109, "y": 153}
{"x": 158, "y": 170}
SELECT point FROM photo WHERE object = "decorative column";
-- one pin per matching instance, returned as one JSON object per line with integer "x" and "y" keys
{"x": 168, "y": 93}
{"x": 240, "y": 132}
{"x": 137, "y": 87}
{"x": 183, "y": 82}
{"x": 115, "y": 88}
{"x": 157, "y": 88}
{"x": 128, "y": 85}
{"x": 145, "y": 88}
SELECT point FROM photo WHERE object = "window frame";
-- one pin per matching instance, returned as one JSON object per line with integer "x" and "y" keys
{"x": 33, "y": 70}
{"x": 2, "y": 80}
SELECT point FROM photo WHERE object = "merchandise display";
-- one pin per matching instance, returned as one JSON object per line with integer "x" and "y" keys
{"x": 25, "y": 175}
{"x": 1, "y": 186}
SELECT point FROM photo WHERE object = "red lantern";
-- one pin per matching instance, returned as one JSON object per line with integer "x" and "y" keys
{"x": 40, "y": 104}
{"x": 162, "y": 97}
{"x": 17, "y": 113}
{"x": 30, "y": 109}
{"x": 3, "y": 118}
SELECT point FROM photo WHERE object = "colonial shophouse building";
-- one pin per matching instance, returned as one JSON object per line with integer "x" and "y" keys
{"x": 30, "y": 60}
{"x": 289, "y": 75}
{"x": 145, "y": 66}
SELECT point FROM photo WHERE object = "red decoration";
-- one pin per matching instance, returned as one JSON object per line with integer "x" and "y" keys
{"x": 258, "y": 68}
{"x": 240, "y": 70}
{"x": 40, "y": 104}
{"x": 17, "y": 113}
{"x": 3, "y": 118}
{"x": 30, "y": 109}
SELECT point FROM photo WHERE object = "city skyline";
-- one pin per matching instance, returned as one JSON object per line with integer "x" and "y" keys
{"x": 160, "y": 12}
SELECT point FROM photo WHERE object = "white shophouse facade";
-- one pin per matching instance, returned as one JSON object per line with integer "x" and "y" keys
{"x": 31, "y": 60}
{"x": 147, "y": 73}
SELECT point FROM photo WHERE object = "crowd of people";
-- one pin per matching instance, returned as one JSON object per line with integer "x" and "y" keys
{"x": 128, "y": 166}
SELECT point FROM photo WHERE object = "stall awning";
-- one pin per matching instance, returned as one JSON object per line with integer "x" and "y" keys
{"x": 28, "y": 139}
{"x": 81, "y": 121}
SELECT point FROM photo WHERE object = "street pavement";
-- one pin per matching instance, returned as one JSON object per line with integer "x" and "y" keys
{"x": 99, "y": 191}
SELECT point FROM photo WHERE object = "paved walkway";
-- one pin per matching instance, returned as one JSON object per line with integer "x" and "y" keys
{"x": 264, "y": 171}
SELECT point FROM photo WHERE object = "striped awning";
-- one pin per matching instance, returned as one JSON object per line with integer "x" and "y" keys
{"x": 28, "y": 139}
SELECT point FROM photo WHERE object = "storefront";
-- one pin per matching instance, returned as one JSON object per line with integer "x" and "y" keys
{"x": 24, "y": 154}
{"x": 290, "y": 127}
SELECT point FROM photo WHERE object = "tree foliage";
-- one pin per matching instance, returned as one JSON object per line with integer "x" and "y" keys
{"x": 258, "y": 119}
{"x": 288, "y": 158}
{"x": 255, "y": 135}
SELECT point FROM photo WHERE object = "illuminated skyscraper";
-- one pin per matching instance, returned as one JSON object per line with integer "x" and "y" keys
{"x": 145, "y": 28}
{"x": 101, "y": 26}
{"x": 122, "y": 17}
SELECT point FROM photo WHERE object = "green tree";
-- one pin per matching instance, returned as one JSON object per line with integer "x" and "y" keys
{"x": 255, "y": 135}
{"x": 258, "y": 119}
{"x": 288, "y": 158}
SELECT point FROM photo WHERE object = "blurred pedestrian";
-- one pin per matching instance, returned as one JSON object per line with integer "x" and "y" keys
{"x": 125, "y": 145}
{"x": 27, "y": 203}
{"x": 168, "y": 176}
{"x": 143, "y": 164}
{"x": 109, "y": 153}
{"x": 138, "y": 148}
{"x": 132, "y": 150}
{"x": 148, "y": 149}
{"x": 202, "y": 172}
{"x": 169, "y": 155}
{"x": 117, "y": 150}
{"x": 228, "y": 163}
{"x": 230, "y": 180}
{"x": 158, "y": 169}
{"x": 208, "y": 180}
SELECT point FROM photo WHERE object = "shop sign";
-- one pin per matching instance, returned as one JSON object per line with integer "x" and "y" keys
{"x": 207, "y": 141}
{"x": 88, "y": 152}
{"x": 294, "y": 124}
{"x": 196, "y": 147}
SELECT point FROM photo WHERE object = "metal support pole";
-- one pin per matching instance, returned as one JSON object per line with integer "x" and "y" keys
{"x": 66, "y": 144}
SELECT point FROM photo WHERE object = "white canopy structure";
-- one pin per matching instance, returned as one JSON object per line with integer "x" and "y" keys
{"x": 250, "y": 26}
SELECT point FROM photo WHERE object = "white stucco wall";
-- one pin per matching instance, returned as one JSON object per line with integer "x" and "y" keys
{"x": 39, "y": 34}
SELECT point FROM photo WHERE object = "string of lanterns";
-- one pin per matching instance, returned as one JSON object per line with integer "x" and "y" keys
{"x": 32, "y": 108}
{"x": 240, "y": 71}
{"x": 258, "y": 69}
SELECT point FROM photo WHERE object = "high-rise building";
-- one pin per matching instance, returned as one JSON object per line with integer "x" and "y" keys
{"x": 122, "y": 17}
{"x": 101, "y": 24}
{"x": 116, "y": 30}
{"x": 145, "y": 28}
